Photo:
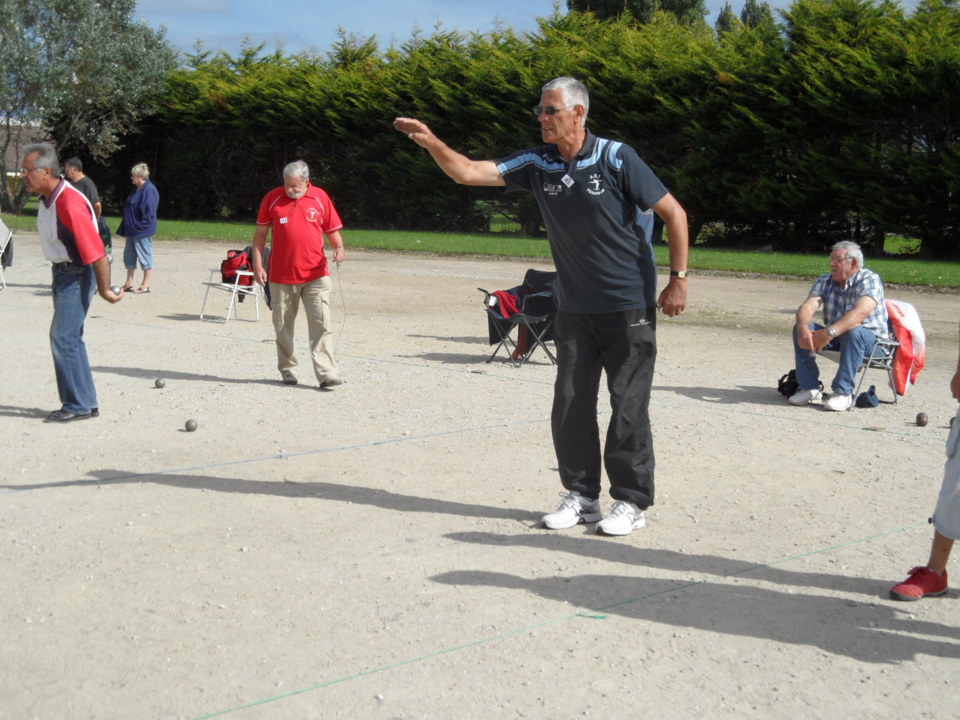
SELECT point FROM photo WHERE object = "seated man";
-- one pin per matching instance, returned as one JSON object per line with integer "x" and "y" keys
{"x": 855, "y": 315}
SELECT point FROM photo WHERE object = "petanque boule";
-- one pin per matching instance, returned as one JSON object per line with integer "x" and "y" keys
{"x": 922, "y": 419}
{"x": 191, "y": 425}
{"x": 115, "y": 289}
{"x": 159, "y": 382}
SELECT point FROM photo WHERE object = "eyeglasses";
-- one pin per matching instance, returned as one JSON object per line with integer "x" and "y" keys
{"x": 549, "y": 109}
{"x": 835, "y": 261}
{"x": 24, "y": 171}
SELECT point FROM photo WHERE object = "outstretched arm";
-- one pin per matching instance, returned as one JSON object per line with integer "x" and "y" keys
{"x": 462, "y": 169}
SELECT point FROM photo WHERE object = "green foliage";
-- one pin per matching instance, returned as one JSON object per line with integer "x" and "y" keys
{"x": 82, "y": 72}
{"x": 839, "y": 122}
{"x": 688, "y": 12}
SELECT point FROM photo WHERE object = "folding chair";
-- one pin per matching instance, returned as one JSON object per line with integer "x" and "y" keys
{"x": 529, "y": 308}
{"x": 5, "y": 237}
{"x": 237, "y": 293}
{"x": 882, "y": 357}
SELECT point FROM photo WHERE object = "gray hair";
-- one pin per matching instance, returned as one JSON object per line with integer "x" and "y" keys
{"x": 74, "y": 162}
{"x": 298, "y": 168}
{"x": 140, "y": 170}
{"x": 574, "y": 93}
{"x": 46, "y": 157}
{"x": 853, "y": 251}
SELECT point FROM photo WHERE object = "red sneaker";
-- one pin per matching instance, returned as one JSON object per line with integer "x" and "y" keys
{"x": 922, "y": 582}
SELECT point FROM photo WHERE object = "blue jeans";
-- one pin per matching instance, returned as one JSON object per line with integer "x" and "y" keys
{"x": 138, "y": 248}
{"x": 854, "y": 346}
{"x": 72, "y": 288}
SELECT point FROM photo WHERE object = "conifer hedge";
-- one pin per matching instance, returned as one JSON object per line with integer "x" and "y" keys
{"x": 844, "y": 123}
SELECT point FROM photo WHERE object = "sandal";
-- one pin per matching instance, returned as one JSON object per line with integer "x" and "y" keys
{"x": 141, "y": 291}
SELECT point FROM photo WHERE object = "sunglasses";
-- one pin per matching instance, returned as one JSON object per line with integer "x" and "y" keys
{"x": 549, "y": 109}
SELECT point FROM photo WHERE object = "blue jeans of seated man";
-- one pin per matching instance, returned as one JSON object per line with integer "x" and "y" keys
{"x": 854, "y": 346}
{"x": 72, "y": 292}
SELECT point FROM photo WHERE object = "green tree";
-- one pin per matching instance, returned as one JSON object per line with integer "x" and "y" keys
{"x": 81, "y": 72}
{"x": 688, "y": 12}
{"x": 727, "y": 21}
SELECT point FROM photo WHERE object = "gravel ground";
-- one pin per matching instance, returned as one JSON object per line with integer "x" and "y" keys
{"x": 375, "y": 551}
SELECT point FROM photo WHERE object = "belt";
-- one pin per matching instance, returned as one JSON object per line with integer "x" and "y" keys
{"x": 64, "y": 265}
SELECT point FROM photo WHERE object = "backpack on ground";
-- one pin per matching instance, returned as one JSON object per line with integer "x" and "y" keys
{"x": 788, "y": 384}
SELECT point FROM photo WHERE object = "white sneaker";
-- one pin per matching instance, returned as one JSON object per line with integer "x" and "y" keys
{"x": 624, "y": 518}
{"x": 838, "y": 403}
{"x": 805, "y": 397}
{"x": 574, "y": 509}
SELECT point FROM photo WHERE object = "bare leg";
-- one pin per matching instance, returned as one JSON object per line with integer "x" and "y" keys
{"x": 145, "y": 283}
{"x": 939, "y": 553}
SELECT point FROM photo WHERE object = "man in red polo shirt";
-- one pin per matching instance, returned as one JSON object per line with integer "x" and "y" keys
{"x": 298, "y": 215}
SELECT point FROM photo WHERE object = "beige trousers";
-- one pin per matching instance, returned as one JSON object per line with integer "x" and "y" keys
{"x": 315, "y": 297}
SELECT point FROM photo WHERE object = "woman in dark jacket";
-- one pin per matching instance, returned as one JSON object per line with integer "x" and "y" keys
{"x": 138, "y": 226}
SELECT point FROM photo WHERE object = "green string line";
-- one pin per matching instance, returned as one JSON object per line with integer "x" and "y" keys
{"x": 594, "y": 614}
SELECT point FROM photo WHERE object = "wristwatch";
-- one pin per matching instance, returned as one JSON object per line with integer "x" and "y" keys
{"x": 831, "y": 332}
{"x": 678, "y": 274}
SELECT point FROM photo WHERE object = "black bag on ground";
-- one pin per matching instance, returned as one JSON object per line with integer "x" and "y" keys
{"x": 868, "y": 399}
{"x": 788, "y": 384}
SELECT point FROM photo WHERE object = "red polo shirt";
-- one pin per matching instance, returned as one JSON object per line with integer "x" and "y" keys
{"x": 298, "y": 227}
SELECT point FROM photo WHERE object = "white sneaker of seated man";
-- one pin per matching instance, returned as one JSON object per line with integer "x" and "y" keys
{"x": 624, "y": 518}
{"x": 838, "y": 402}
{"x": 805, "y": 397}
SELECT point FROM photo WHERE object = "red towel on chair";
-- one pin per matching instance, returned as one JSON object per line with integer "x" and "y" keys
{"x": 911, "y": 356}
{"x": 507, "y": 302}
{"x": 508, "y": 306}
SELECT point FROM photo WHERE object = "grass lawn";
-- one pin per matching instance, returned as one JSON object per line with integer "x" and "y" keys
{"x": 902, "y": 270}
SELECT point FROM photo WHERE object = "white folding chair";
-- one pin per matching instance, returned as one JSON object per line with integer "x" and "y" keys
{"x": 5, "y": 237}
{"x": 237, "y": 293}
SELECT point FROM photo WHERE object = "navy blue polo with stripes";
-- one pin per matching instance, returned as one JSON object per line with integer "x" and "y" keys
{"x": 597, "y": 213}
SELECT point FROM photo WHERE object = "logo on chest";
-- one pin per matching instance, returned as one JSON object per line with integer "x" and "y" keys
{"x": 595, "y": 185}
{"x": 312, "y": 215}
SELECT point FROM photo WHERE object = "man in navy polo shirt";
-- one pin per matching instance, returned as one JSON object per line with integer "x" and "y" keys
{"x": 595, "y": 196}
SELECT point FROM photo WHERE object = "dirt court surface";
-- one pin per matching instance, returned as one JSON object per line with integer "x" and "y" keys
{"x": 375, "y": 551}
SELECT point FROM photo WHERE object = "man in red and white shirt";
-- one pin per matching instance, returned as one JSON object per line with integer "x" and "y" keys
{"x": 298, "y": 215}
{"x": 71, "y": 242}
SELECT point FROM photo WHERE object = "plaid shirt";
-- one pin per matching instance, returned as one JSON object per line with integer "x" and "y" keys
{"x": 838, "y": 301}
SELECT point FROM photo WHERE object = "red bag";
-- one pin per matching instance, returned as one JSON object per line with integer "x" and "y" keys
{"x": 236, "y": 260}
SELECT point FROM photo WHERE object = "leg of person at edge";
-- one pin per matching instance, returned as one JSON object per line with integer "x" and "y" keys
{"x": 855, "y": 315}
{"x": 71, "y": 242}
{"x": 598, "y": 200}
{"x": 297, "y": 215}
{"x": 931, "y": 580}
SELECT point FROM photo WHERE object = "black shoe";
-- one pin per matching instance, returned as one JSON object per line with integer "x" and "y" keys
{"x": 62, "y": 416}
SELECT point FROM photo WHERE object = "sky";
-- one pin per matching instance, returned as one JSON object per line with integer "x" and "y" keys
{"x": 304, "y": 24}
